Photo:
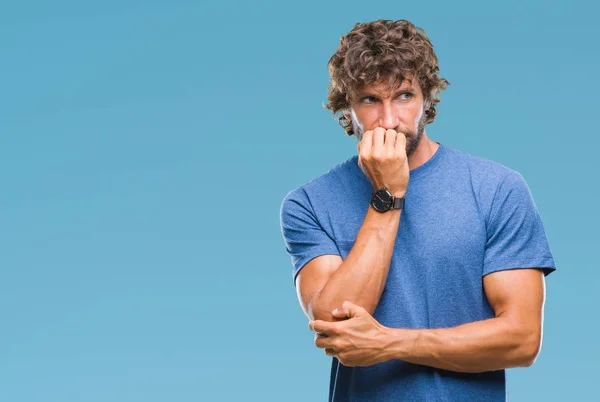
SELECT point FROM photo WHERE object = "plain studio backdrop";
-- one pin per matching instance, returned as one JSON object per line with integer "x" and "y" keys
{"x": 145, "y": 149}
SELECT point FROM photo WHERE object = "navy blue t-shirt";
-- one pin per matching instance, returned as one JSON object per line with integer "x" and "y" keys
{"x": 464, "y": 217}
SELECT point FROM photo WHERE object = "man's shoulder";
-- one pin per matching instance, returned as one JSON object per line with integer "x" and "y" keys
{"x": 323, "y": 182}
{"x": 329, "y": 177}
{"x": 482, "y": 169}
{"x": 488, "y": 180}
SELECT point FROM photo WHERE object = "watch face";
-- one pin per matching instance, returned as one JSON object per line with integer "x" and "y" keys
{"x": 382, "y": 200}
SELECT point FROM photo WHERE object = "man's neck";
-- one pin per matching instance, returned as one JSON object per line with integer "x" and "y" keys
{"x": 423, "y": 153}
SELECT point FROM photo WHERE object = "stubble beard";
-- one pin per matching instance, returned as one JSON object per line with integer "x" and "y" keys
{"x": 412, "y": 139}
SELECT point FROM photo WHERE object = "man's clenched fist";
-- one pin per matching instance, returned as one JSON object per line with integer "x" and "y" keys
{"x": 382, "y": 157}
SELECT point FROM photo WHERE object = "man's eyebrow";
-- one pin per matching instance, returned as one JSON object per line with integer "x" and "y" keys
{"x": 364, "y": 93}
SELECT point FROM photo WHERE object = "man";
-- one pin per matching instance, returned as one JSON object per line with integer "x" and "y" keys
{"x": 421, "y": 268}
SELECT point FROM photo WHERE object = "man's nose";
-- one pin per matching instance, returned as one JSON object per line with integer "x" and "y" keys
{"x": 389, "y": 118}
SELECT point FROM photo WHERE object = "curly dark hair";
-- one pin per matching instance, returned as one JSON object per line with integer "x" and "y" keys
{"x": 379, "y": 51}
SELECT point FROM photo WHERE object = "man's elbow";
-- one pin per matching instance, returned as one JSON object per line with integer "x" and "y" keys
{"x": 531, "y": 348}
{"x": 317, "y": 310}
{"x": 321, "y": 308}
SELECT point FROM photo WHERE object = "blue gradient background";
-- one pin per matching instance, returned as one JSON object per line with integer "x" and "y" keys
{"x": 145, "y": 149}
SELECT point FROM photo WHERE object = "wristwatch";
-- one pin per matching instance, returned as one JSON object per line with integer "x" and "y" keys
{"x": 382, "y": 200}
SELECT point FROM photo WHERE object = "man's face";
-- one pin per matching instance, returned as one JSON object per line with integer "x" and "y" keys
{"x": 400, "y": 109}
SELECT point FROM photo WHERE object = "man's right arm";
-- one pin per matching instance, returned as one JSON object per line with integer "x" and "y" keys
{"x": 326, "y": 281}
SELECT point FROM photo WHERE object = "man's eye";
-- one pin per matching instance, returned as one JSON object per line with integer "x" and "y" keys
{"x": 408, "y": 95}
{"x": 368, "y": 99}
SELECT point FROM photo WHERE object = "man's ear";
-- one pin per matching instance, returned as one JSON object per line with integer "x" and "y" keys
{"x": 426, "y": 106}
{"x": 346, "y": 114}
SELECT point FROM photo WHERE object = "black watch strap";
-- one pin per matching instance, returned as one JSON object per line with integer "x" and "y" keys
{"x": 398, "y": 203}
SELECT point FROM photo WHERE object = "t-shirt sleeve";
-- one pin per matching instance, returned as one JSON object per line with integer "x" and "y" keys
{"x": 515, "y": 234}
{"x": 304, "y": 237}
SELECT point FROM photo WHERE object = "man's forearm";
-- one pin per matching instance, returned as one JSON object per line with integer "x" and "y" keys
{"x": 492, "y": 344}
{"x": 361, "y": 277}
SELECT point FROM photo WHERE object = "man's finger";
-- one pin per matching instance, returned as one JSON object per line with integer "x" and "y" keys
{"x": 366, "y": 142}
{"x": 400, "y": 143}
{"x": 350, "y": 309}
{"x": 339, "y": 312}
{"x": 320, "y": 326}
{"x": 390, "y": 140}
{"x": 378, "y": 138}
{"x": 323, "y": 342}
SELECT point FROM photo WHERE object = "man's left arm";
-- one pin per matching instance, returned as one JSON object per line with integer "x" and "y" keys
{"x": 511, "y": 339}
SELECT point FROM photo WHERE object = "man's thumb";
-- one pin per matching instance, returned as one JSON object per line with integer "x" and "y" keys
{"x": 346, "y": 310}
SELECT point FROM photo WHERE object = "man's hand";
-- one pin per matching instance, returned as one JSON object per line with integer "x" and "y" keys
{"x": 382, "y": 158}
{"x": 359, "y": 340}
